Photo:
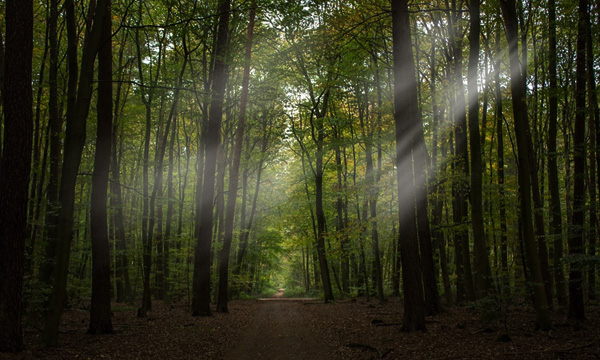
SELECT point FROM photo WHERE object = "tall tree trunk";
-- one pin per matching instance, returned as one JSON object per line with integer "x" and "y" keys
{"x": 47, "y": 265}
{"x": 341, "y": 225}
{"x": 146, "y": 240}
{"x": 372, "y": 219}
{"x": 517, "y": 84}
{"x": 505, "y": 278}
{"x": 553, "y": 182}
{"x": 406, "y": 119}
{"x": 594, "y": 134}
{"x": 123, "y": 283}
{"x": 169, "y": 220}
{"x": 432, "y": 301}
{"x": 74, "y": 143}
{"x": 461, "y": 165}
{"x": 100, "y": 313}
{"x": 204, "y": 209}
{"x": 223, "y": 293}
{"x": 576, "y": 241}
{"x": 482, "y": 266}
{"x": 439, "y": 240}
{"x": 319, "y": 211}
{"x": 35, "y": 196}
{"x": 15, "y": 172}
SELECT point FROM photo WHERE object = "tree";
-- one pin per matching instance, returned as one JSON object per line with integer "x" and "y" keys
{"x": 521, "y": 121}
{"x": 553, "y": 182}
{"x": 576, "y": 308}
{"x": 204, "y": 208}
{"x": 482, "y": 265}
{"x": 15, "y": 168}
{"x": 406, "y": 119}
{"x": 234, "y": 176}
{"x": 74, "y": 141}
{"x": 100, "y": 313}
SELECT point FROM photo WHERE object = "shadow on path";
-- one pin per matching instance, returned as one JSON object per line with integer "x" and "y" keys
{"x": 279, "y": 331}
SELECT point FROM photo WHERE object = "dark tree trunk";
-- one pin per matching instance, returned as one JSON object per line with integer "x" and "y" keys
{"x": 204, "y": 209}
{"x": 432, "y": 301}
{"x": 406, "y": 119}
{"x": 170, "y": 210}
{"x": 372, "y": 219}
{"x": 341, "y": 224}
{"x": 482, "y": 266}
{"x": 100, "y": 313}
{"x": 74, "y": 142}
{"x": 55, "y": 129}
{"x": 553, "y": 182}
{"x": 461, "y": 164}
{"x": 576, "y": 242}
{"x": 437, "y": 191}
{"x": 15, "y": 170}
{"x": 38, "y": 173}
{"x": 505, "y": 279}
{"x": 223, "y": 293}
{"x": 146, "y": 240}
{"x": 521, "y": 132}
{"x": 320, "y": 213}
{"x": 594, "y": 134}
{"x": 248, "y": 225}
{"x": 123, "y": 283}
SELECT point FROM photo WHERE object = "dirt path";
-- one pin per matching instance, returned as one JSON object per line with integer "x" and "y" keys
{"x": 279, "y": 331}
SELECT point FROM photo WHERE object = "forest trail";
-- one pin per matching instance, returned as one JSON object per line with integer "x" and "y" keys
{"x": 279, "y": 331}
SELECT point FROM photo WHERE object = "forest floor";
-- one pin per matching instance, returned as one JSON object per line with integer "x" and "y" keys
{"x": 308, "y": 329}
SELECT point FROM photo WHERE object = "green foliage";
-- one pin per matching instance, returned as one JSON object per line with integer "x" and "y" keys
{"x": 303, "y": 49}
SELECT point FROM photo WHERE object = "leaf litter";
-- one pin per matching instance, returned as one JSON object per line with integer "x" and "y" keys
{"x": 346, "y": 329}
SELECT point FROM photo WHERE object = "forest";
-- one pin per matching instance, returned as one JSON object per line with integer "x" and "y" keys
{"x": 203, "y": 178}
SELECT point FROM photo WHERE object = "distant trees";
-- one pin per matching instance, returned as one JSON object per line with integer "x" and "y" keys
{"x": 336, "y": 148}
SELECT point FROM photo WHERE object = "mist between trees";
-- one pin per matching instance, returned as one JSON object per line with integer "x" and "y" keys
{"x": 200, "y": 151}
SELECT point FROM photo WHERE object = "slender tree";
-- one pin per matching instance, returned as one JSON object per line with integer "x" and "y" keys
{"x": 517, "y": 85}
{"x": 553, "y": 182}
{"x": 234, "y": 176}
{"x": 482, "y": 265}
{"x": 204, "y": 208}
{"x": 15, "y": 168}
{"x": 499, "y": 115}
{"x": 74, "y": 142}
{"x": 100, "y": 313}
{"x": 594, "y": 154}
{"x": 576, "y": 307}
{"x": 405, "y": 118}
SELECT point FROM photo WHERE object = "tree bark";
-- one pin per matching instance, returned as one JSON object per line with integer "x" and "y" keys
{"x": 517, "y": 84}
{"x": 100, "y": 312}
{"x": 553, "y": 182}
{"x": 15, "y": 168}
{"x": 223, "y": 293}
{"x": 482, "y": 266}
{"x": 123, "y": 283}
{"x": 505, "y": 278}
{"x": 594, "y": 134}
{"x": 74, "y": 143}
{"x": 204, "y": 209}
{"x": 406, "y": 119}
{"x": 47, "y": 265}
{"x": 437, "y": 191}
{"x": 576, "y": 238}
